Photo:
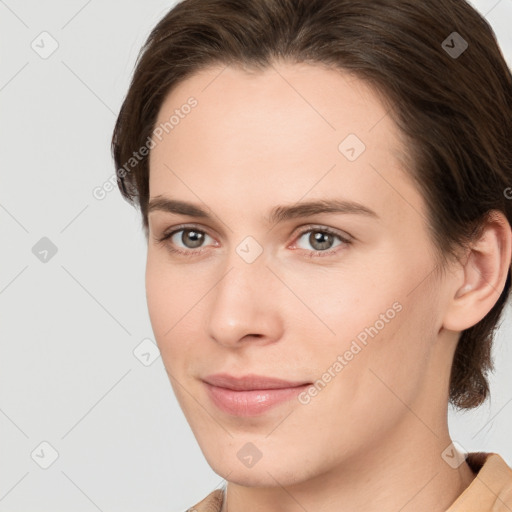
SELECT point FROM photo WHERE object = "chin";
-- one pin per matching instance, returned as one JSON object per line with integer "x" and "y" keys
{"x": 269, "y": 471}
{"x": 270, "y": 476}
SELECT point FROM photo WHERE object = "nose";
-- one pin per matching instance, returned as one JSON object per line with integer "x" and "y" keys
{"x": 244, "y": 305}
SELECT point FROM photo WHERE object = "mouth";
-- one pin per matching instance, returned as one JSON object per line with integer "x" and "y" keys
{"x": 250, "y": 395}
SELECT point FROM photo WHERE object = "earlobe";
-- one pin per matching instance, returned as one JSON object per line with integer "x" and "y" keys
{"x": 485, "y": 272}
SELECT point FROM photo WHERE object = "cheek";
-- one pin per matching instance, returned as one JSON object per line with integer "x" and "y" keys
{"x": 372, "y": 368}
{"x": 159, "y": 297}
{"x": 376, "y": 323}
{"x": 171, "y": 292}
{"x": 174, "y": 296}
{"x": 167, "y": 300}
{"x": 394, "y": 368}
{"x": 351, "y": 305}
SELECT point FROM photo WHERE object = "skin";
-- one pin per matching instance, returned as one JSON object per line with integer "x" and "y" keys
{"x": 372, "y": 439}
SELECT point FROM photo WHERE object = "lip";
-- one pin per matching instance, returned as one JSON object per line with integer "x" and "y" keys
{"x": 250, "y": 382}
{"x": 250, "y": 395}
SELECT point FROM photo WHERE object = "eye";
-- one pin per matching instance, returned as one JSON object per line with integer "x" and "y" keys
{"x": 322, "y": 240}
{"x": 184, "y": 240}
{"x": 191, "y": 238}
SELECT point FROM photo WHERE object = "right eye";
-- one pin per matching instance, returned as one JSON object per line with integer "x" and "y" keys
{"x": 189, "y": 237}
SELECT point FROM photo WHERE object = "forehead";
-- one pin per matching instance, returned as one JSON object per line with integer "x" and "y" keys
{"x": 325, "y": 101}
{"x": 279, "y": 134}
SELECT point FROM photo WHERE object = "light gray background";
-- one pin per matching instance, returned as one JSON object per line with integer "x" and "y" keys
{"x": 69, "y": 327}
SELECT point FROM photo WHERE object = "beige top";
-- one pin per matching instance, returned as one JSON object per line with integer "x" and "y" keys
{"x": 490, "y": 491}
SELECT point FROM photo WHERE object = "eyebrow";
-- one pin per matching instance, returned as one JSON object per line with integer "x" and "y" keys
{"x": 277, "y": 214}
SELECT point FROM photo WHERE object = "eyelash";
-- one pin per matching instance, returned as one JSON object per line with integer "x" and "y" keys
{"x": 311, "y": 254}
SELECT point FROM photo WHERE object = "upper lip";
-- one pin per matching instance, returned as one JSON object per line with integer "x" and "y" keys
{"x": 250, "y": 382}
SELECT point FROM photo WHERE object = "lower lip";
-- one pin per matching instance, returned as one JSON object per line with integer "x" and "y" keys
{"x": 253, "y": 402}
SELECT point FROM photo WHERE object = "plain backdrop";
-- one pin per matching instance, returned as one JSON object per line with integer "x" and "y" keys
{"x": 88, "y": 422}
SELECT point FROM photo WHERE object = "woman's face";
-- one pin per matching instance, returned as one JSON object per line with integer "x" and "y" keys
{"x": 341, "y": 294}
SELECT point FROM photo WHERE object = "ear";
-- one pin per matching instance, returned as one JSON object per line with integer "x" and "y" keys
{"x": 481, "y": 278}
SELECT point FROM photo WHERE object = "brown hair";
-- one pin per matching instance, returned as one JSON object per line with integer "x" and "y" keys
{"x": 453, "y": 109}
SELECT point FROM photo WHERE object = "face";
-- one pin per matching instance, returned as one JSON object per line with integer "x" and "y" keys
{"x": 302, "y": 254}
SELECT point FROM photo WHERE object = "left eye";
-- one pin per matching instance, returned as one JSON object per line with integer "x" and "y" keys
{"x": 321, "y": 239}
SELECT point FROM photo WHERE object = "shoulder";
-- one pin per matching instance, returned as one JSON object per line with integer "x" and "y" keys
{"x": 212, "y": 502}
{"x": 491, "y": 489}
